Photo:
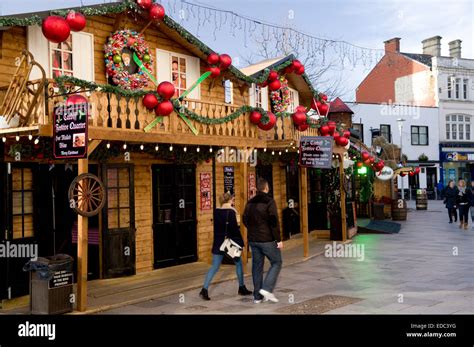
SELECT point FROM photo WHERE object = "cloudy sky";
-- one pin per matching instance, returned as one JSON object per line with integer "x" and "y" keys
{"x": 359, "y": 22}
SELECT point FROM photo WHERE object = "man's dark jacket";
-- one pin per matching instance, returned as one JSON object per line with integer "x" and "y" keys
{"x": 261, "y": 219}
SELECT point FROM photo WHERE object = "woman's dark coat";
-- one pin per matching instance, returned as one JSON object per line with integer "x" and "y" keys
{"x": 233, "y": 230}
{"x": 450, "y": 196}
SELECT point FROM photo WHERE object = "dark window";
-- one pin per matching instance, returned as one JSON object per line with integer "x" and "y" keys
{"x": 22, "y": 202}
{"x": 419, "y": 135}
{"x": 465, "y": 84}
{"x": 385, "y": 132}
{"x": 449, "y": 87}
{"x": 359, "y": 128}
{"x": 118, "y": 197}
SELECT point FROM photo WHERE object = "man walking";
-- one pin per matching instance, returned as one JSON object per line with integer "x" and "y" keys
{"x": 261, "y": 219}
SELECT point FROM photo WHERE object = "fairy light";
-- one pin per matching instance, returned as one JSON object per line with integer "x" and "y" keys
{"x": 37, "y": 140}
{"x": 265, "y": 149}
{"x": 157, "y": 148}
{"x": 171, "y": 148}
{"x": 17, "y": 138}
{"x": 125, "y": 145}
{"x": 198, "y": 149}
{"x": 286, "y": 150}
{"x": 185, "y": 149}
{"x": 142, "y": 147}
{"x": 4, "y": 139}
{"x": 279, "y": 153}
{"x": 30, "y": 137}
{"x": 273, "y": 152}
{"x": 210, "y": 149}
{"x": 108, "y": 145}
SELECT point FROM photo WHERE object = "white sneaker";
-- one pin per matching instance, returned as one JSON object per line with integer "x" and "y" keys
{"x": 255, "y": 301}
{"x": 268, "y": 296}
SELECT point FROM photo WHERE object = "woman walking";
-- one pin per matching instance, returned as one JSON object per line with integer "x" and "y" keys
{"x": 225, "y": 225}
{"x": 463, "y": 201}
{"x": 450, "y": 196}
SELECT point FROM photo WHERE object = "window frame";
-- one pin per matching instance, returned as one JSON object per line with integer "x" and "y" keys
{"x": 62, "y": 70}
{"x": 389, "y": 140}
{"x": 361, "y": 131}
{"x": 453, "y": 127}
{"x": 418, "y": 134}
{"x": 188, "y": 66}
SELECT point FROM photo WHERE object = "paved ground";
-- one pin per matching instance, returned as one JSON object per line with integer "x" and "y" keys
{"x": 427, "y": 268}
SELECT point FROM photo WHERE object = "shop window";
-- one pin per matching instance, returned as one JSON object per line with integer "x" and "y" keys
{"x": 419, "y": 135}
{"x": 22, "y": 202}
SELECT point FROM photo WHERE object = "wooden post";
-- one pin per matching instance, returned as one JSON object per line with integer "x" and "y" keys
{"x": 82, "y": 245}
{"x": 243, "y": 198}
{"x": 343, "y": 197}
{"x": 303, "y": 181}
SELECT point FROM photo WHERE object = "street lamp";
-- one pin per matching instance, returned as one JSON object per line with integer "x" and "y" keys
{"x": 400, "y": 129}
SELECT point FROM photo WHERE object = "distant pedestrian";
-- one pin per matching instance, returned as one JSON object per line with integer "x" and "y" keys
{"x": 450, "y": 196}
{"x": 225, "y": 225}
{"x": 440, "y": 189}
{"x": 472, "y": 204}
{"x": 464, "y": 202}
{"x": 261, "y": 219}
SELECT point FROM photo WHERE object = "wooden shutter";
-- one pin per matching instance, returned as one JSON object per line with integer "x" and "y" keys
{"x": 264, "y": 92}
{"x": 193, "y": 74}
{"x": 83, "y": 55}
{"x": 163, "y": 66}
{"x": 252, "y": 98}
{"x": 39, "y": 47}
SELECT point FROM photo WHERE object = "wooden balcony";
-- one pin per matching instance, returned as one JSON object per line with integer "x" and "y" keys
{"x": 117, "y": 118}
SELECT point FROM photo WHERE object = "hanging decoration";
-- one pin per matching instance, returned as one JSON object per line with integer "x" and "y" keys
{"x": 120, "y": 50}
{"x": 269, "y": 124}
{"x": 145, "y": 4}
{"x": 156, "y": 12}
{"x": 255, "y": 117}
{"x": 56, "y": 29}
{"x": 76, "y": 20}
{"x": 280, "y": 98}
{"x": 150, "y": 101}
{"x": 218, "y": 63}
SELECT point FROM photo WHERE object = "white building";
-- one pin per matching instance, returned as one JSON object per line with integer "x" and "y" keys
{"x": 419, "y": 136}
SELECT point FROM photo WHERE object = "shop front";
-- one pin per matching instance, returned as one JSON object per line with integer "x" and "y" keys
{"x": 457, "y": 162}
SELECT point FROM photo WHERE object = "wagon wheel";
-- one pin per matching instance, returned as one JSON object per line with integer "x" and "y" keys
{"x": 86, "y": 195}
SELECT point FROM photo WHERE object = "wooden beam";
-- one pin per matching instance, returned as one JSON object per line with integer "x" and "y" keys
{"x": 243, "y": 198}
{"x": 146, "y": 27}
{"x": 119, "y": 21}
{"x": 343, "y": 197}
{"x": 92, "y": 146}
{"x": 1, "y": 44}
{"x": 82, "y": 248}
{"x": 303, "y": 181}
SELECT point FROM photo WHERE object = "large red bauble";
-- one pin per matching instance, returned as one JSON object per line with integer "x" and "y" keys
{"x": 273, "y": 75}
{"x": 342, "y": 141}
{"x": 145, "y": 4}
{"x": 332, "y": 127}
{"x": 215, "y": 71}
{"x": 323, "y": 109}
{"x": 336, "y": 135}
{"x": 323, "y": 96}
{"x": 56, "y": 29}
{"x": 299, "y": 118}
{"x": 255, "y": 117}
{"x": 164, "y": 108}
{"x": 372, "y": 159}
{"x": 324, "y": 130}
{"x": 274, "y": 85}
{"x": 76, "y": 21}
{"x": 271, "y": 122}
{"x": 301, "y": 109}
{"x": 297, "y": 65}
{"x": 403, "y": 174}
{"x": 411, "y": 173}
{"x": 347, "y": 134}
{"x": 156, "y": 12}
{"x": 365, "y": 156}
{"x": 417, "y": 170}
{"x": 367, "y": 161}
{"x": 360, "y": 164}
{"x": 150, "y": 101}
{"x": 300, "y": 71}
{"x": 303, "y": 127}
{"x": 166, "y": 90}
{"x": 289, "y": 69}
{"x": 225, "y": 61}
{"x": 213, "y": 59}
{"x": 76, "y": 99}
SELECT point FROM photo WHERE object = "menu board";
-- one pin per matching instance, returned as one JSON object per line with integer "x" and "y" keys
{"x": 252, "y": 188}
{"x": 316, "y": 151}
{"x": 229, "y": 179}
{"x": 70, "y": 131}
{"x": 205, "y": 186}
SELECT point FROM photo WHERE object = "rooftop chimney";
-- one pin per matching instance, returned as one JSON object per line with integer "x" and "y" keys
{"x": 392, "y": 45}
{"x": 432, "y": 46}
{"x": 455, "y": 49}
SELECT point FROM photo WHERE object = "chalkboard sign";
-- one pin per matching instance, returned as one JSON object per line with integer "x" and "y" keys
{"x": 61, "y": 279}
{"x": 316, "y": 151}
{"x": 70, "y": 130}
{"x": 229, "y": 179}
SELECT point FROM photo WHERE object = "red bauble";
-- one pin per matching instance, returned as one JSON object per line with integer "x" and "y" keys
{"x": 76, "y": 21}
{"x": 332, "y": 127}
{"x": 411, "y": 173}
{"x": 164, "y": 108}
{"x": 323, "y": 109}
{"x": 150, "y": 101}
{"x": 255, "y": 117}
{"x": 289, "y": 69}
{"x": 417, "y": 170}
{"x": 215, "y": 71}
{"x": 156, "y": 12}
{"x": 403, "y": 174}
{"x": 360, "y": 164}
{"x": 273, "y": 75}
{"x": 342, "y": 141}
{"x": 324, "y": 130}
{"x": 56, "y": 29}
{"x": 213, "y": 59}
{"x": 300, "y": 71}
{"x": 274, "y": 85}
{"x": 347, "y": 134}
{"x": 365, "y": 156}
{"x": 379, "y": 165}
{"x": 336, "y": 135}
{"x": 323, "y": 96}
{"x": 301, "y": 109}
{"x": 131, "y": 41}
{"x": 371, "y": 160}
{"x": 145, "y": 4}
{"x": 303, "y": 127}
{"x": 271, "y": 122}
{"x": 166, "y": 90}
{"x": 299, "y": 118}
{"x": 76, "y": 99}
{"x": 296, "y": 65}
{"x": 264, "y": 84}
{"x": 225, "y": 61}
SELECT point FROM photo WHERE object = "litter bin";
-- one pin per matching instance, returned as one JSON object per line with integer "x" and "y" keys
{"x": 51, "y": 284}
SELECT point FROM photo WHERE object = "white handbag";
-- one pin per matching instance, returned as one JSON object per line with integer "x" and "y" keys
{"x": 229, "y": 246}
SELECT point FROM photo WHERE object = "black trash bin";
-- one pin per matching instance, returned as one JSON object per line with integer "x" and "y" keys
{"x": 51, "y": 284}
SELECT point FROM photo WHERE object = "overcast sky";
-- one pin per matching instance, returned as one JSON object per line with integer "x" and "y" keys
{"x": 361, "y": 22}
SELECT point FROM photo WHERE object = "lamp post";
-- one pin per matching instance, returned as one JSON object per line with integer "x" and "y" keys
{"x": 400, "y": 129}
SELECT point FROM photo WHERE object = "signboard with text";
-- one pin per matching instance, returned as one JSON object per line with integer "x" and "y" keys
{"x": 70, "y": 131}
{"x": 229, "y": 179}
{"x": 316, "y": 151}
{"x": 205, "y": 186}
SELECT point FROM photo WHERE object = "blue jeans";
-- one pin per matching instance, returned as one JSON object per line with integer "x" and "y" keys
{"x": 216, "y": 263}
{"x": 260, "y": 250}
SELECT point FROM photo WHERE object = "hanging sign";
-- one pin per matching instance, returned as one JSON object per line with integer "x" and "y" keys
{"x": 252, "y": 187}
{"x": 385, "y": 174}
{"x": 316, "y": 151}
{"x": 70, "y": 130}
{"x": 229, "y": 179}
{"x": 205, "y": 186}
